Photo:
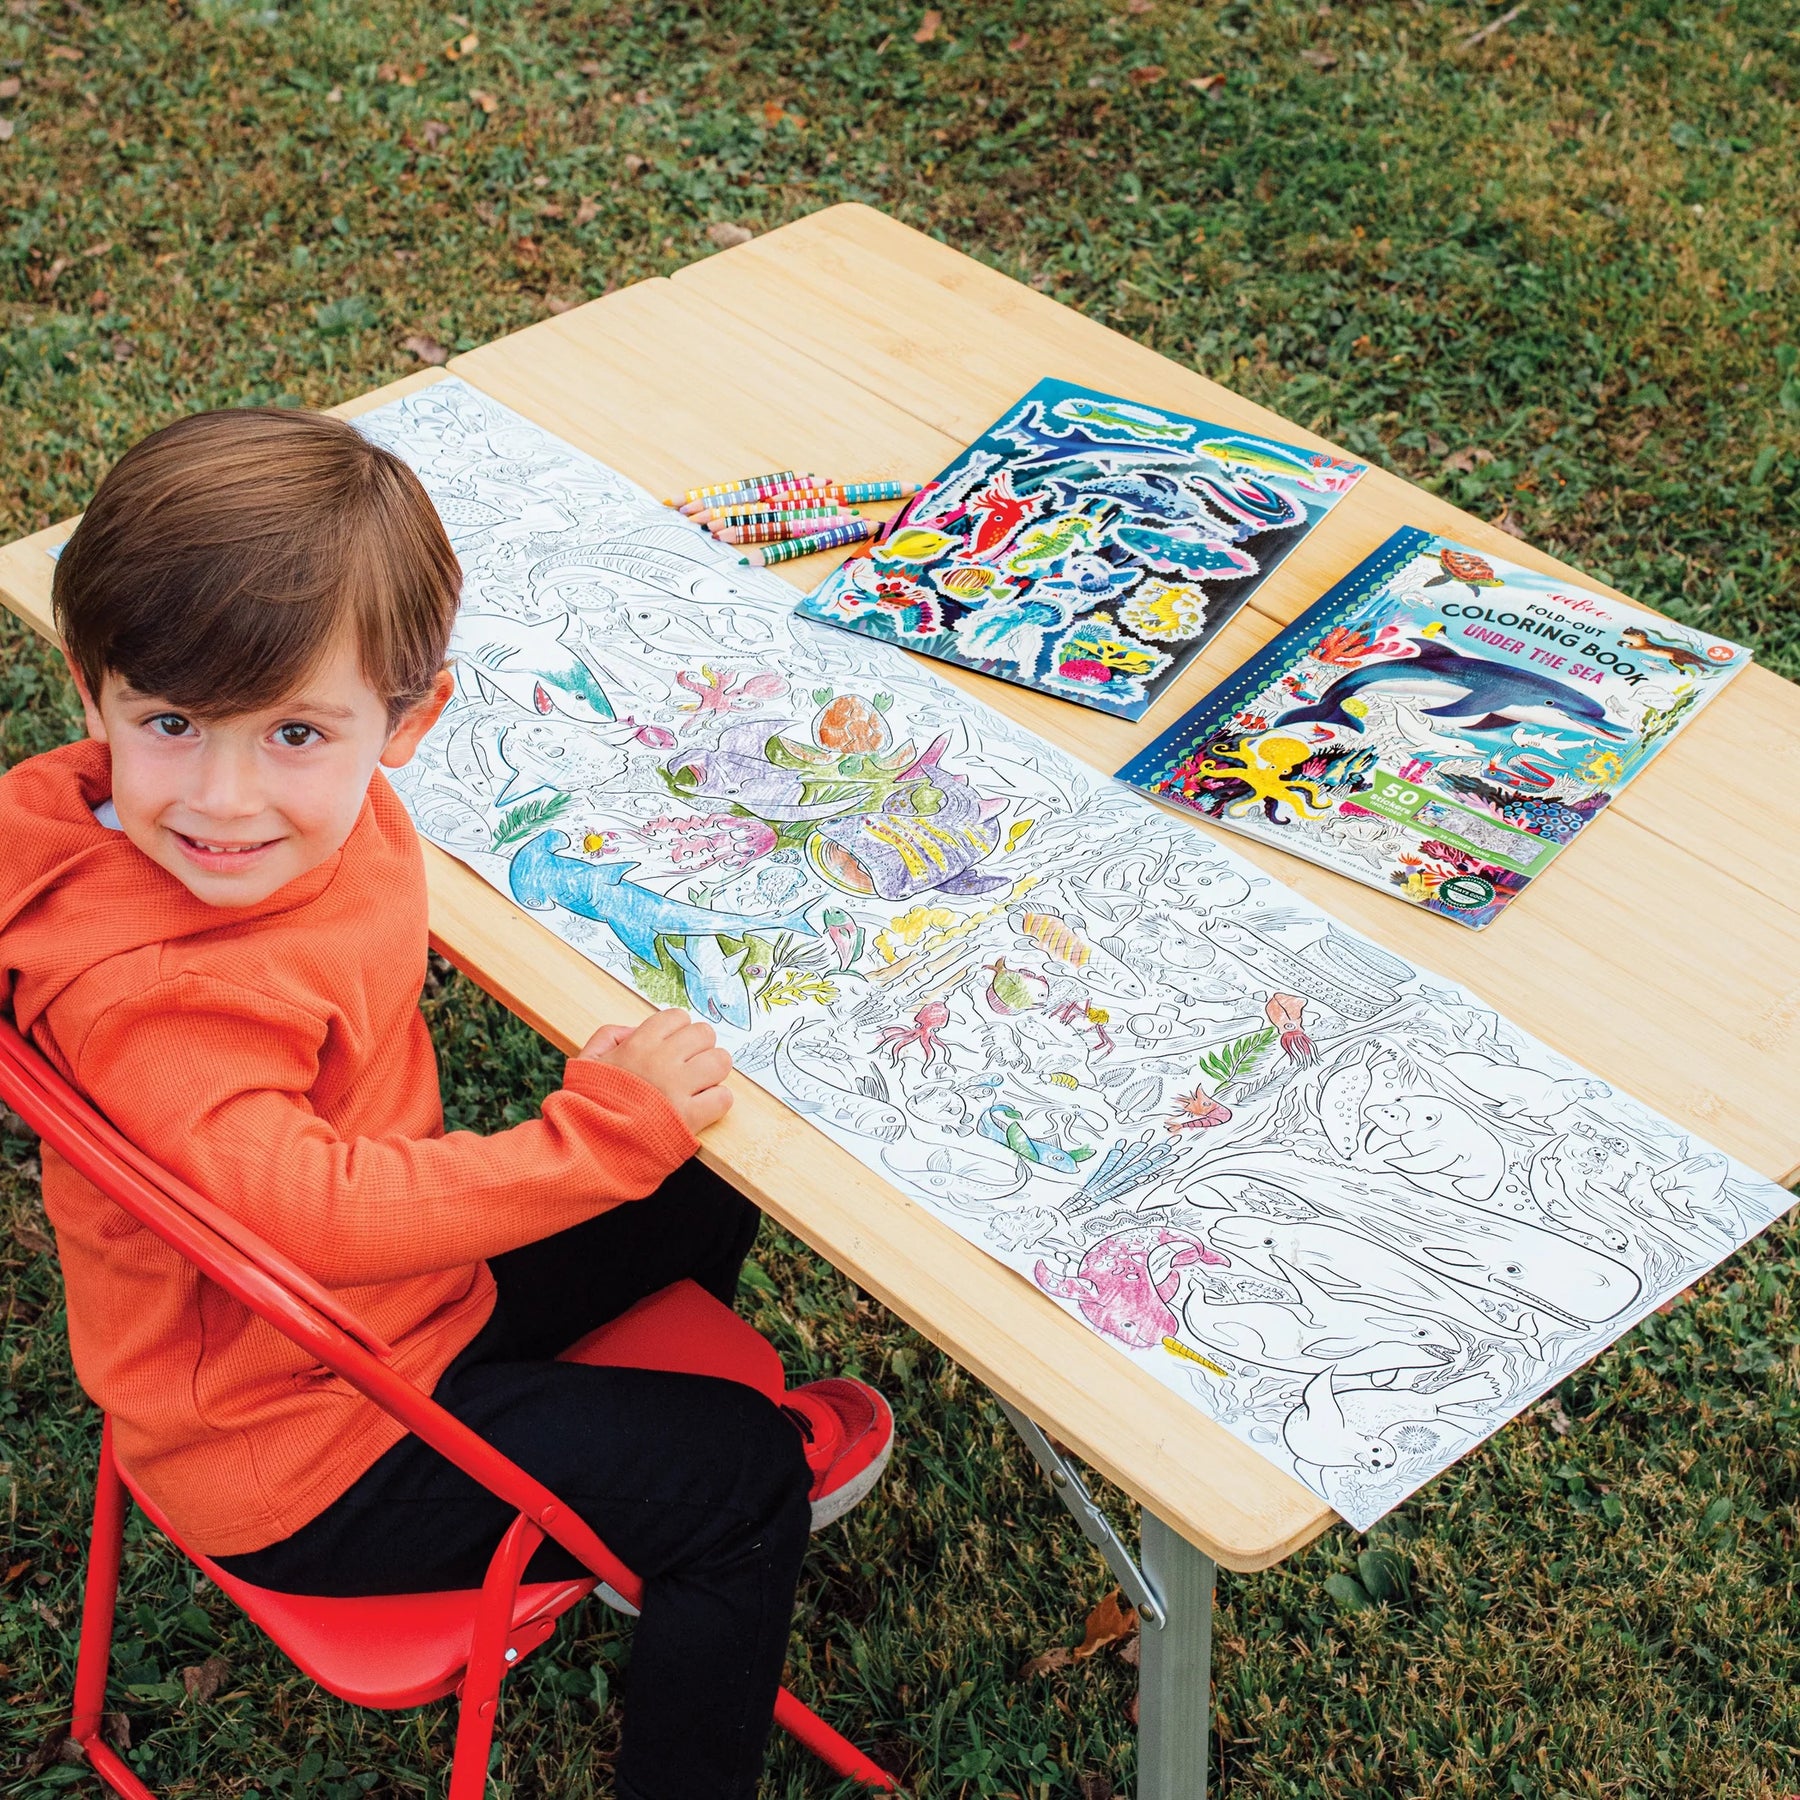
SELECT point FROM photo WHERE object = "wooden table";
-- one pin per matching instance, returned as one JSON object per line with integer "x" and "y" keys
{"x": 1664, "y": 952}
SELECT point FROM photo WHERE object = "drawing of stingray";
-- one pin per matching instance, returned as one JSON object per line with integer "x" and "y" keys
{"x": 530, "y": 665}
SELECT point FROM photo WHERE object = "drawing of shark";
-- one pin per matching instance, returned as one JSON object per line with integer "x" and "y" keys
{"x": 1486, "y": 694}
{"x": 531, "y": 666}
{"x": 638, "y": 916}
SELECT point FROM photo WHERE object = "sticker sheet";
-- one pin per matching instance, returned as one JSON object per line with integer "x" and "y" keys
{"x": 1333, "y": 1200}
{"x": 1441, "y": 725}
{"x": 1086, "y": 546}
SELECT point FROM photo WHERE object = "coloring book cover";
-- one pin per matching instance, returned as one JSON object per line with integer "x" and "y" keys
{"x": 1085, "y": 546}
{"x": 1335, "y": 1201}
{"x": 1441, "y": 725}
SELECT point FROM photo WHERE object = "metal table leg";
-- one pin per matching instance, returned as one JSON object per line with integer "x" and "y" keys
{"x": 1175, "y": 1669}
{"x": 1173, "y": 1594}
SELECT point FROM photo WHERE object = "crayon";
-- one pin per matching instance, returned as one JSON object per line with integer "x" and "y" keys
{"x": 778, "y": 529}
{"x": 862, "y": 493}
{"x": 834, "y": 539}
{"x": 743, "y": 481}
{"x": 757, "y": 491}
{"x": 812, "y": 497}
{"x": 763, "y": 515}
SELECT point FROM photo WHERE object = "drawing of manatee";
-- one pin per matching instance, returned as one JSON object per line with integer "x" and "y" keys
{"x": 1438, "y": 1145}
{"x": 810, "y": 1092}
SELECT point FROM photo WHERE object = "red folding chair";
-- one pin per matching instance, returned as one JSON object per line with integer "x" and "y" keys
{"x": 402, "y": 1649}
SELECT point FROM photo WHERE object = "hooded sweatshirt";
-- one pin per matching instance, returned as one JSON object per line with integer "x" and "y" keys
{"x": 274, "y": 1058}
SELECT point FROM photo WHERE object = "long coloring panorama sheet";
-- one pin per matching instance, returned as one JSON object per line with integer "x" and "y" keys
{"x": 1341, "y": 1205}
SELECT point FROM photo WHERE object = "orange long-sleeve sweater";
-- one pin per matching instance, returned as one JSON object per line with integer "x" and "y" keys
{"x": 275, "y": 1059}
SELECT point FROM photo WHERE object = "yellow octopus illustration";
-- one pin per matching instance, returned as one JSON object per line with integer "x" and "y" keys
{"x": 1265, "y": 767}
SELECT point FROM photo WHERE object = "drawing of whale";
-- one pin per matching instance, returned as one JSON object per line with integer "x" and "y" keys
{"x": 1488, "y": 694}
{"x": 530, "y": 665}
{"x": 636, "y": 916}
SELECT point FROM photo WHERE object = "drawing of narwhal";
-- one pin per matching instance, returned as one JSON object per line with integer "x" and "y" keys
{"x": 638, "y": 916}
{"x": 1469, "y": 692}
{"x": 530, "y": 665}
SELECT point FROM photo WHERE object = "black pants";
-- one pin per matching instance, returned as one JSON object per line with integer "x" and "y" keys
{"x": 698, "y": 1485}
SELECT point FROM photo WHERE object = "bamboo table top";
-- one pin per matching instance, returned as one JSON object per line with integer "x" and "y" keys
{"x": 1663, "y": 952}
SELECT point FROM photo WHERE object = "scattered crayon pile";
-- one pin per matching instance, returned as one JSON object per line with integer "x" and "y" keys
{"x": 787, "y": 514}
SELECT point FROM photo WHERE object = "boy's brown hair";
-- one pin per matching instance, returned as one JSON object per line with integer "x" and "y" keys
{"x": 224, "y": 554}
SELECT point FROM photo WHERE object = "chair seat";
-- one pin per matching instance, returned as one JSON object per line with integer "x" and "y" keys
{"x": 395, "y": 1650}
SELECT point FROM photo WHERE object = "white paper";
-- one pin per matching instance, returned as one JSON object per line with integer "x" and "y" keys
{"x": 1397, "y": 1222}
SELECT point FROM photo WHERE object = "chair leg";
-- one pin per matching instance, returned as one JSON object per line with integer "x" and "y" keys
{"x": 480, "y": 1697}
{"x": 94, "y": 1658}
{"x": 835, "y": 1751}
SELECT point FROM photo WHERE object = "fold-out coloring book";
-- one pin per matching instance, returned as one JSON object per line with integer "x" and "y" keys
{"x": 1441, "y": 725}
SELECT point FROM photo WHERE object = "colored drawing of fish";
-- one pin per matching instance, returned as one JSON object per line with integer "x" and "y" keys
{"x": 1004, "y": 1124}
{"x": 1311, "y": 468}
{"x": 1119, "y": 416}
{"x": 637, "y": 916}
{"x": 529, "y": 665}
{"x": 1185, "y": 553}
{"x": 863, "y": 1115}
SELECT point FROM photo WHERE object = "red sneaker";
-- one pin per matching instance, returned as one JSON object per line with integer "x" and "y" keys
{"x": 849, "y": 1433}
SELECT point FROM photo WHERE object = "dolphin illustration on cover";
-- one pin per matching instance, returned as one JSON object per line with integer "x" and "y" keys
{"x": 1441, "y": 725}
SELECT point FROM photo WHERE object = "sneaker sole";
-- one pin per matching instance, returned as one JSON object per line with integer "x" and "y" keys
{"x": 829, "y": 1508}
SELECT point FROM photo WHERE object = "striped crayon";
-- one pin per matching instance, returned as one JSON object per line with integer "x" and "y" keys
{"x": 757, "y": 511}
{"x": 865, "y": 493}
{"x": 899, "y": 519}
{"x": 700, "y": 495}
{"x": 791, "y": 548}
{"x": 770, "y": 503}
{"x": 756, "y": 492}
{"x": 783, "y": 528}
{"x": 774, "y": 525}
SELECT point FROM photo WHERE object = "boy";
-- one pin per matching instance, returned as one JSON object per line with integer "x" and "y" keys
{"x": 213, "y": 921}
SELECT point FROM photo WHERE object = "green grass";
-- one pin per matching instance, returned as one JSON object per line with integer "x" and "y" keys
{"x": 1553, "y": 274}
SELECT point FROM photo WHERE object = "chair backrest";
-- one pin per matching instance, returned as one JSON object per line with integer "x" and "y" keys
{"x": 228, "y": 1252}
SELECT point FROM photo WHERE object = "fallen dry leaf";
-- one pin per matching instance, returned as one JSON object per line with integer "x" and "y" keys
{"x": 728, "y": 235}
{"x": 1148, "y": 73}
{"x": 1320, "y": 59}
{"x": 590, "y": 69}
{"x": 1206, "y": 84}
{"x": 557, "y": 304}
{"x": 1464, "y": 461}
{"x": 484, "y": 100}
{"x": 1139, "y": 6}
{"x": 633, "y": 162}
{"x": 928, "y": 28}
{"x": 9, "y": 87}
{"x": 526, "y": 251}
{"x": 1095, "y": 1787}
{"x": 434, "y": 131}
{"x": 1020, "y": 41}
{"x": 426, "y": 349}
{"x": 64, "y": 53}
{"x": 334, "y": 97}
{"x": 6, "y": 131}
{"x": 773, "y": 111}
{"x": 458, "y": 48}
{"x": 1058, "y": 1658}
{"x": 34, "y": 1243}
{"x": 1110, "y": 1621}
{"x": 1506, "y": 523}
{"x": 1131, "y": 1651}
{"x": 123, "y": 348}
{"x": 18, "y": 1569}
{"x": 115, "y": 1727}
{"x": 203, "y": 1680}
{"x": 587, "y": 212}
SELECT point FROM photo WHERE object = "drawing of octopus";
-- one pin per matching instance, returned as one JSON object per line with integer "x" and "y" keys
{"x": 928, "y": 1021}
{"x": 1265, "y": 769}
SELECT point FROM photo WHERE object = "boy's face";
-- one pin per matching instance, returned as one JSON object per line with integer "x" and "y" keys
{"x": 237, "y": 808}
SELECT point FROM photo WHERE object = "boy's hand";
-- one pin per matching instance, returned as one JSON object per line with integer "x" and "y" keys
{"x": 679, "y": 1057}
